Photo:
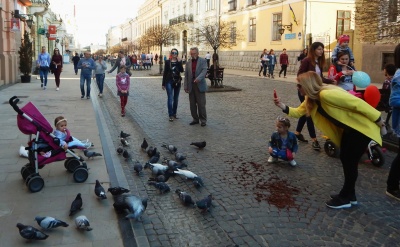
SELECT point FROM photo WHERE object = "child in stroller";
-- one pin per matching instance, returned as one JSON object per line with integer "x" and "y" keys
{"x": 66, "y": 140}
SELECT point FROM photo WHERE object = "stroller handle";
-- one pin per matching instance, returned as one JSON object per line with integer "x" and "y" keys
{"x": 13, "y": 102}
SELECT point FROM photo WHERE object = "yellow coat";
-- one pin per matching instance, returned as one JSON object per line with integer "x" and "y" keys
{"x": 347, "y": 109}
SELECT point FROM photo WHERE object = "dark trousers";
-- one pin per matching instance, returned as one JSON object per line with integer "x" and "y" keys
{"x": 352, "y": 147}
{"x": 304, "y": 119}
{"x": 198, "y": 104}
{"x": 76, "y": 68}
{"x": 208, "y": 63}
{"x": 263, "y": 68}
{"x": 173, "y": 98}
{"x": 100, "y": 82}
{"x": 57, "y": 74}
{"x": 394, "y": 173}
{"x": 283, "y": 69}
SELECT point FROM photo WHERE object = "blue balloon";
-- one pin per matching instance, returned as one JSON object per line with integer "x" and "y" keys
{"x": 361, "y": 79}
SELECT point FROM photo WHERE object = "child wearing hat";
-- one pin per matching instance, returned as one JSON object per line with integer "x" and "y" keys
{"x": 342, "y": 46}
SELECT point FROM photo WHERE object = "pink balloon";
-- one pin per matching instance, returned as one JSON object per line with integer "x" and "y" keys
{"x": 372, "y": 95}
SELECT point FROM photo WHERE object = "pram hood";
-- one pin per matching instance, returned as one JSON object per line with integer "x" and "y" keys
{"x": 38, "y": 120}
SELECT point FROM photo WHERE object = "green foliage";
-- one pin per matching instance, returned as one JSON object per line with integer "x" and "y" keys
{"x": 25, "y": 55}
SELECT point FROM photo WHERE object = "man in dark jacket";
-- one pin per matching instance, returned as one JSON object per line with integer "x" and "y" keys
{"x": 75, "y": 60}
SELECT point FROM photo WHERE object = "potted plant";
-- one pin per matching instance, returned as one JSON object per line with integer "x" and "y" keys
{"x": 25, "y": 58}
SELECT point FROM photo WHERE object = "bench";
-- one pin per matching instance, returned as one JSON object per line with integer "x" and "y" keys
{"x": 219, "y": 77}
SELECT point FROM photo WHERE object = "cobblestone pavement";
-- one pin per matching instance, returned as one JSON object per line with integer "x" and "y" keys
{"x": 255, "y": 203}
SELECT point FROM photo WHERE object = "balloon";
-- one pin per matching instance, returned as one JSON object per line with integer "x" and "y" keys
{"x": 372, "y": 95}
{"x": 361, "y": 79}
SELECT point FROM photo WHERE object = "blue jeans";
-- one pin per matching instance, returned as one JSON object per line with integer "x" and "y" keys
{"x": 173, "y": 97}
{"x": 88, "y": 81}
{"x": 277, "y": 153}
{"x": 271, "y": 68}
{"x": 43, "y": 71}
{"x": 100, "y": 81}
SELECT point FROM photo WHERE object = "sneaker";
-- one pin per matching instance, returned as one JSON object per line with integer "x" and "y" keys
{"x": 353, "y": 199}
{"x": 393, "y": 194}
{"x": 87, "y": 145}
{"x": 57, "y": 89}
{"x": 293, "y": 163}
{"x": 83, "y": 96}
{"x": 44, "y": 87}
{"x": 88, "y": 97}
{"x": 300, "y": 137}
{"x": 41, "y": 84}
{"x": 316, "y": 146}
{"x": 171, "y": 119}
{"x": 272, "y": 159}
{"x": 100, "y": 95}
{"x": 338, "y": 203}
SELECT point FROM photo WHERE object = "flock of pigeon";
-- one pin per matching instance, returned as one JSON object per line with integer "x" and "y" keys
{"x": 122, "y": 201}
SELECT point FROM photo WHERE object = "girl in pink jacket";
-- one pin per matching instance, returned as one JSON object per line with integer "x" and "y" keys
{"x": 123, "y": 83}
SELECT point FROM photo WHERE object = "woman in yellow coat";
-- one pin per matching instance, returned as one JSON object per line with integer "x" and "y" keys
{"x": 350, "y": 123}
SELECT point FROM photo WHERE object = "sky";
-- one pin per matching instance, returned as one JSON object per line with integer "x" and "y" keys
{"x": 95, "y": 17}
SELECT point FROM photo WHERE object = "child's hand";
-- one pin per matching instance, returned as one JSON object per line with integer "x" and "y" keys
{"x": 270, "y": 150}
{"x": 294, "y": 155}
{"x": 65, "y": 146}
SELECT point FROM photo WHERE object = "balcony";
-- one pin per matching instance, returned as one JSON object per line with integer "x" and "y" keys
{"x": 181, "y": 19}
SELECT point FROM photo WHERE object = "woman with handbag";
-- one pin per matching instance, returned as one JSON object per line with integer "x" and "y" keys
{"x": 56, "y": 66}
{"x": 171, "y": 82}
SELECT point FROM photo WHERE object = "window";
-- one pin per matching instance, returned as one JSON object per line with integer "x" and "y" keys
{"x": 393, "y": 11}
{"x": 342, "y": 22}
{"x": 252, "y": 30}
{"x": 233, "y": 32}
{"x": 232, "y": 5}
{"x": 251, "y": 2}
{"x": 276, "y": 25}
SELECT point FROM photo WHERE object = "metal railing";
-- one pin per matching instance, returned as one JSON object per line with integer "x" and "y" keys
{"x": 181, "y": 19}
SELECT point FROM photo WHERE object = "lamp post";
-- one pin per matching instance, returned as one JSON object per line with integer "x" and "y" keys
{"x": 282, "y": 28}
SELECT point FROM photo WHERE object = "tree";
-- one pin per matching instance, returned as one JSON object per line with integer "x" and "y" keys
{"x": 116, "y": 49}
{"x": 159, "y": 35}
{"x": 25, "y": 55}
{"x": 378, "y": 20}
{"x": 100, "y": 52}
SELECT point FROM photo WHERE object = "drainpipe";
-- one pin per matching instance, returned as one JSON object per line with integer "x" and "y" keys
{"x": 305, "y": 24}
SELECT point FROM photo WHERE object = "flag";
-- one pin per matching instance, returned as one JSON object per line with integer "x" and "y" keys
{"x": 293, "y": 15}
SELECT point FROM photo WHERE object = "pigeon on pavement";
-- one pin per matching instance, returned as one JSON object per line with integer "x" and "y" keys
{"x": 134, "y": 204}
{"x": 126, "y": 154}
{"x": 205, "y": 203}
{"x": 124, "y": 135}
{"x": 156, "y": 168}
{"x": 99, "y": 190}
{"x": 173, "y": 165}
{"x": 76, "y": 205}
{"x": 49, "y": 222}
{"x": 91, "y": 154}
{"x": 116, "y": 191}
{"x": 185, "y": 197}
{"x": 137, "y": 167}
{"x": 179, "y": 156}
{"x": 151, "y": 151}
{"x": 161, "y": 186}
{"x": 30, "y": 232}
{"x": 154, "y": 159}
{"x": 200, "y": 145}
{"x": 197, "y": 181}
{"x": 171, "y": 148}
{"x": 144, "y": 144}
{"x": 83, "y": 223}
{"x": 120, "y": 150}
{"x": 124, "y": 142}
{"x": 162, "y": 178}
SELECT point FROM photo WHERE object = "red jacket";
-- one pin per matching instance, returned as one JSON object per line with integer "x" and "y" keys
{"x": 284, "y": 59}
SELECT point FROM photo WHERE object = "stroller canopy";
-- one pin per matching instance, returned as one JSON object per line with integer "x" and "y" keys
{"x": 29, "y": 127}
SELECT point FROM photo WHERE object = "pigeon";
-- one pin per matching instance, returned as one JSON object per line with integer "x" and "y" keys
{"x": 120, "y": 150}
{"x": 179, "y": 156}
{"x": 134, "y": 204}
{"x": 185, "y": 197}
{"x": 154, "y": 159}
{"x": 91, "y": 154}
{"x": 173, "y": 165}
{"x": 30, "y": 232}
{"x": 126, "y": 154}
{"x": 99, "y": 190}
{"x": 156, "y": 169}
{"x": 49, "y": 222}
{"x": 200, "y": 145}
{"x": 152, "y": 151}
{"x": 205, "y": 203}
{"x": 116, "y": 191}
{"x": 163, "y": 177}
{"x": 124, "y": 142}
{"x": 138, "y": 167}
{"x": 197, "y": 181}
{"x": 171, "y": 148}
{"x": 124, "y": 135}
{"x": 76, "y": 205}
{"x": 82, "y": 223}
{"x": 144, "y": 144}
{"x": 163, "y": 187}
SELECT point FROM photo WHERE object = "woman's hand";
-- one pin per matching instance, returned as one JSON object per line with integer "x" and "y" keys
{"x": 279, "y": 104}
{"x": 270, "y": 150}
{"x": 163, "y": 87}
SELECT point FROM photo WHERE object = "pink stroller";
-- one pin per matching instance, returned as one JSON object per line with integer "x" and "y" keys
{"x": 31, "y": 122}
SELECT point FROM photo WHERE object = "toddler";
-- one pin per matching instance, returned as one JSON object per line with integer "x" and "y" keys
{"x": 342, "y": 46}
{"x": 389, "y": 71}
{"x": 283, "y": 143}
{"x": 123, "y": 83}
{"x": 66, "y": 140}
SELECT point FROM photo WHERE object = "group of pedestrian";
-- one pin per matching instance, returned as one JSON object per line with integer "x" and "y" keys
{"x": 45, "y": 64}
{"x": 268, "y": 61}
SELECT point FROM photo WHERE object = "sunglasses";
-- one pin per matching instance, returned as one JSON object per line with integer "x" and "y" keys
{"x": 174, "y": 53}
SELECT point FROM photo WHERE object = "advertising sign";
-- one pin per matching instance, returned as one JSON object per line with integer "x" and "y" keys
{"x": 52, "y": 32}
{"x": 14, "y": 24}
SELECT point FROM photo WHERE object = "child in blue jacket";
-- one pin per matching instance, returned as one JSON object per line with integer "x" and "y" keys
{"x": 283, "y": 143}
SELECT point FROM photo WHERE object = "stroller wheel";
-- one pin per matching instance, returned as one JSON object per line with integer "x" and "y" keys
{"x": 377, "y": 157}
{"x": 27, "y": 170}
{"x": 81, "y": 174}
{"x": 330, "y": 149}
{"x": 71, "y": 164}
{"x": 35, "y": 184}
{"x": 66, "y": 162}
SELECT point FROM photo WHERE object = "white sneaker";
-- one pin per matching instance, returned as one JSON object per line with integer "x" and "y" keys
{"x": 57, "y": 89}
{"x": 88, "y": 144}
{"x": 272, "y": 159}
{"x": 44, "y": 87}
{"x": 293, "y": 163}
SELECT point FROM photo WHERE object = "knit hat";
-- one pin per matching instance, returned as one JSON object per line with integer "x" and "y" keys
{"x": 344, "y": 38}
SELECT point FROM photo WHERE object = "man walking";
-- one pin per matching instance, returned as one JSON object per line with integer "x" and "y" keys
{"x": 208, "y": 58}
{"x": 86, "y": 65}
{"x": 195, "y": 84}
{"x": 76, "y": 59}
{"x": 43, "y": 63}
{"x": 284, "y": 61}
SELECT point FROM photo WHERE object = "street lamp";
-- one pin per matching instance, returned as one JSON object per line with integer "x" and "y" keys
{"x": 282, "y": 28}
{"x": 23, "y": 17}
